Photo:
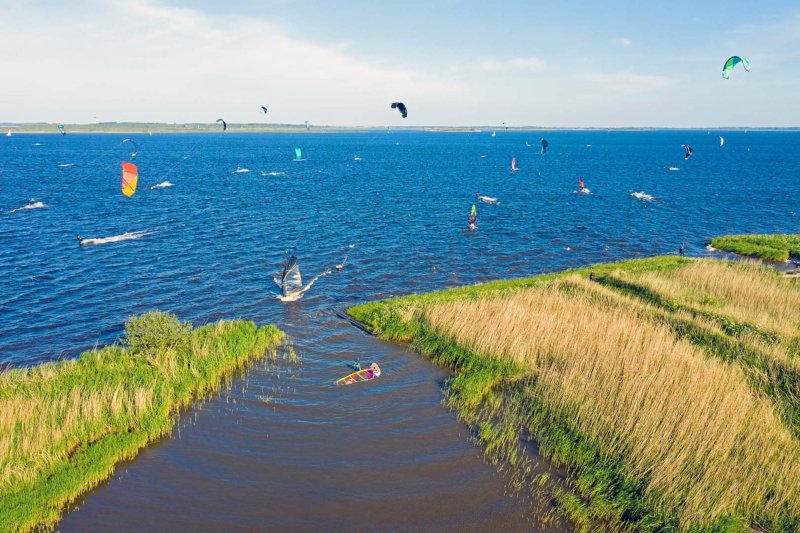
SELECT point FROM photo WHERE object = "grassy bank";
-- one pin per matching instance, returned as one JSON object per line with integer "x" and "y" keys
{"x": 668, "y": 390}
{"x": 65, "y": 425}
{"x": 777, "y": 248}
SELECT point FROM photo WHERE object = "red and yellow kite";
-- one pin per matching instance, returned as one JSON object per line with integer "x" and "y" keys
{"x": 130, "y": 176}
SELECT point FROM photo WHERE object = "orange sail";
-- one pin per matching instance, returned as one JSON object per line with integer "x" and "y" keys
{"x": 130, "y": 176}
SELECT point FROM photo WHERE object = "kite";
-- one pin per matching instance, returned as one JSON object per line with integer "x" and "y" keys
{"x": 732, "y": 61}
{"x": 400, "y": 106}
{"x": 130, "y": 176}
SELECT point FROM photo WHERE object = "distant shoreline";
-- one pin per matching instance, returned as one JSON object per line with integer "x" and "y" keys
{"x": 149, "y": 127}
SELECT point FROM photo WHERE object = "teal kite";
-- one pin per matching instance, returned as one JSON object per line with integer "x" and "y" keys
{"x": 731, "y": 63}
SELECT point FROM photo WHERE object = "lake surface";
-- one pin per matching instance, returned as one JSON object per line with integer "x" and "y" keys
{"x": 285, "y": 448}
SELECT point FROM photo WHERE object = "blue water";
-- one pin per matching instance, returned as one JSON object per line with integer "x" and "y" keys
{"x": 303, "y": 456}
{"x": 219, "y": 237}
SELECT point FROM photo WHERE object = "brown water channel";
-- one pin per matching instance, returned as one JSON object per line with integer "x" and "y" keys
{"x": 285, "y": 449}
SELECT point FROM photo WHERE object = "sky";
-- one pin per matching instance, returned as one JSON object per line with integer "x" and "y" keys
{"x": 454, "y": 63}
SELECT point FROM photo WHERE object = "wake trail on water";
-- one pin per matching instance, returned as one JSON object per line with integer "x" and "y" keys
{"x": 32, "y": 204}
{"x": 299, "y": 294}
{"x": 127, "y": 236}
{"x": 162, "y": 185}
{"x": 643, "y": 196}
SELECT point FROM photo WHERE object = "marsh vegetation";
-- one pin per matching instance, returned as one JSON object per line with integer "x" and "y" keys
{"x": 668, "y": 389}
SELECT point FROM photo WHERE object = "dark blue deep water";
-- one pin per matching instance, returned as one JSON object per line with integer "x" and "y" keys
{"x": 292, "y": 451}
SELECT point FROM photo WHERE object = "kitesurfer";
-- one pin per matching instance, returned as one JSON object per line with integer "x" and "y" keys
{"x": 682, "y": 248}
{"x": 79, "y": 239}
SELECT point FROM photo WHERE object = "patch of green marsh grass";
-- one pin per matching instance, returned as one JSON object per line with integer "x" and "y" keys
{"x": 776, "y": 248}
{"x": 65, "y": 425}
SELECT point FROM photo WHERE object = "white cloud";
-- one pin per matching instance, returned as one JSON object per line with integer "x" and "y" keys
{"x": 516, "y": 63}
{"x": 138, "y": 60}
{"x": 147, "y": 61}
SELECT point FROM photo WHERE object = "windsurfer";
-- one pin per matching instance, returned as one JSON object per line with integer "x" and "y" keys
{"x": 373, "y": 371}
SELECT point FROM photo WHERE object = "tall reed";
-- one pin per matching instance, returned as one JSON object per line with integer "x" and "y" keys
{"x": 700, "y": 441}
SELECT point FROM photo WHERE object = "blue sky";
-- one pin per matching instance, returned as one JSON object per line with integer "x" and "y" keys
{"x": 568, "y": 64}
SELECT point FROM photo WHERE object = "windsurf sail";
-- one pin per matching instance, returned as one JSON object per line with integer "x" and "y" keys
{"x": 8, "y": 133}
{"x": 298, "y": 154}
{"x": 721, "y": 140}
{"x": 580, "y": 183}
{"x": 514, "y": 164}
{"x": 130, "y": 177}
{"x": 545, "y": 144}
{"x": 61, "y": 129}
{"x": 291, "y": 280}
{"x": 473, "y": 216}
{"x": 308, "y": 125}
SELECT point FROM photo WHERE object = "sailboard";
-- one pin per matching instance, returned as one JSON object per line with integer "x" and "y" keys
{"x": 473, "y": 218}
{"x": 581, "y": 187}
{"x": 514, "y": 164}
{"x": 367, "y": 374}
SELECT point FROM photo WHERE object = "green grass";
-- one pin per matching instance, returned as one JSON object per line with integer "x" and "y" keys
{"x": 497, "y": 400}
{"x": 64, "y": 426}
{"x": 382, "y": 317}
{"x": 777, "y": 248}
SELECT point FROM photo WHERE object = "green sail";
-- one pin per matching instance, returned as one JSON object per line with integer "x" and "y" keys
{"x": 298, "y": 153}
